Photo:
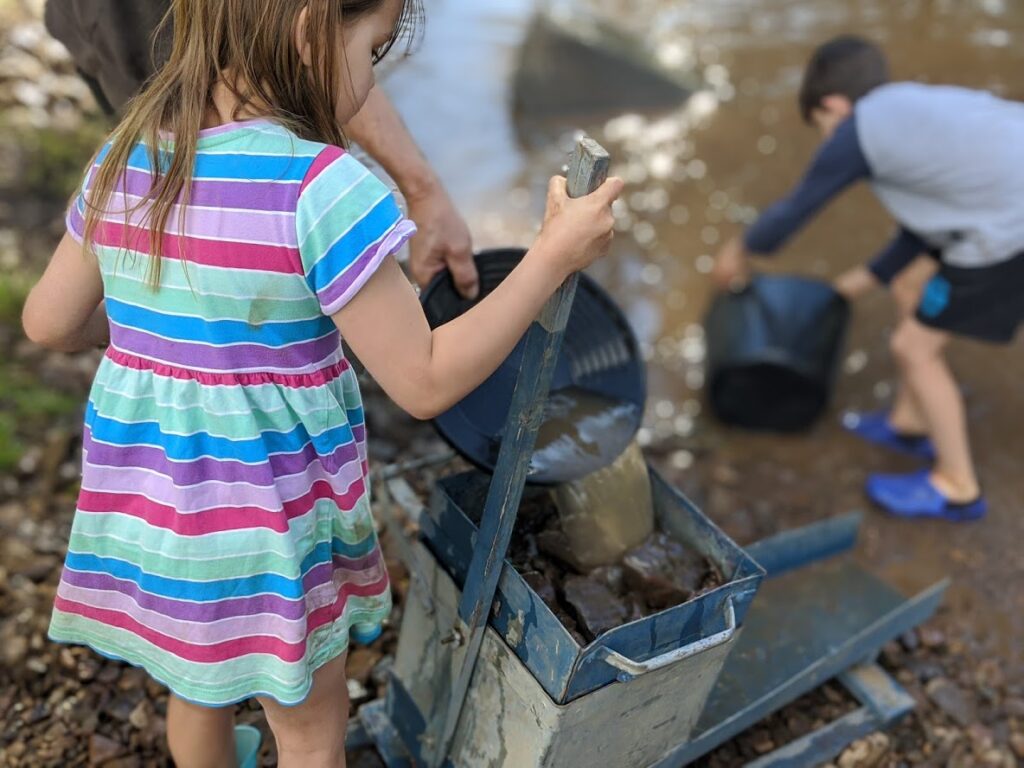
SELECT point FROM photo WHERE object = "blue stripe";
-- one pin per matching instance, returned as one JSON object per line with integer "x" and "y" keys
{"x": 236, "y": 166}
{"x": 196, "y": 329}
{"x": 222, "y": 589}
{"x": 195, "y": 591}
{"x": 199, "y": 444}
{"x": 380, "y": 220}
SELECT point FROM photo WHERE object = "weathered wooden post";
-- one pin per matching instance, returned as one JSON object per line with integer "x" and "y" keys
{"x": 588, "y": 170}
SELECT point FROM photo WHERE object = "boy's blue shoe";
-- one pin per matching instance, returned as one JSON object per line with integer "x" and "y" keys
{"x": 875, "y": 428}
{"x": 915, "y": 496}
{"x": 247, "y": 745}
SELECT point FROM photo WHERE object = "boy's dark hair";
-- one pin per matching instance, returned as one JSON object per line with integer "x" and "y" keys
{"x": 847, "y": 66}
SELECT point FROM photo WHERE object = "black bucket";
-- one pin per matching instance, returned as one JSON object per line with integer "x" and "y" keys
{"x": 774, "y": 352}
{"x": 600, "y": 364}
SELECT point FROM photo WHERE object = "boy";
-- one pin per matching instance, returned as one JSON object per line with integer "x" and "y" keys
{"x": 948, "y": 164}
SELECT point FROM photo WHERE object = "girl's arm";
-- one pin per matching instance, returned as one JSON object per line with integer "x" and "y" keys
{"x": 65, "y": 309}
{"x": 426, "y": 372}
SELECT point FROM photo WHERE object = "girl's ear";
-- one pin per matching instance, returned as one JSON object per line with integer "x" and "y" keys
{"x": 302, "y": 39}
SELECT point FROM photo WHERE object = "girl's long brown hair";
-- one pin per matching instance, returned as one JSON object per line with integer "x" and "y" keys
{"x": 253, "y": 40}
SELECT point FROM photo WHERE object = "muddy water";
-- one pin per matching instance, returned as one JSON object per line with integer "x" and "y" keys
{"x": 695, "y": 175}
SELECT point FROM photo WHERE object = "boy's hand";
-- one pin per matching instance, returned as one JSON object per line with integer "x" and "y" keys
{"x": 732, "y": 267}
{"x": 579, "y": 232}
{"x": 855, "y": 283}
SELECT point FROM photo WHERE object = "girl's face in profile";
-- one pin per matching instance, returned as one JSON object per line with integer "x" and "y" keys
{"x": 360, "y": 42}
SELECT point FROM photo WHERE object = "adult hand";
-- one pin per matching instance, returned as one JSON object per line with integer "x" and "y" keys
{"x": 732, "y": 268}
{"x": 856, "y": 282}
{"x": 443, "y": 241}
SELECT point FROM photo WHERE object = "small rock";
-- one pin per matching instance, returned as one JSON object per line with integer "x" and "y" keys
{"x": 357, "y": 692}
{"x": 910, "y": 640}
{"x": 1017, "y": 744}
{"x": 764, "y": 745}
{"x": 1014, "y": 707}
{"x": 38, "y": 665}
{"x": 865, "y": 753}
{"x": 597, "y": 607}
{"x": 141, "y": 715}
{"x": 931, "y": 637}
{"x": 952, "y": 700}
{"x": 923, "y": 669}
{"x": 980, "y": 736}
{"x": 17, "y": 749}
{"x": 14, "y": 650}
{"x": 543, "y": 586}
{"x": 989, "y": 674}
{"x": 121, "y": 709}
{"x": 102, "y": 749}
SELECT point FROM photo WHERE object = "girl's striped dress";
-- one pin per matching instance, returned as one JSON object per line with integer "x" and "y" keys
{"x": 223, "y": 539}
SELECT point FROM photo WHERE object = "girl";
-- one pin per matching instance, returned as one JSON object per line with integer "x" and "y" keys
{"x": 221, "y": 241}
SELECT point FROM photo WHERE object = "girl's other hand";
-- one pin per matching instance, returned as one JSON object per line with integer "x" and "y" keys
{"x": 578, "y": 232}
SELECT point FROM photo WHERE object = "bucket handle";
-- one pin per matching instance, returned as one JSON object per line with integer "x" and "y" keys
{"x": 630, "y": 669}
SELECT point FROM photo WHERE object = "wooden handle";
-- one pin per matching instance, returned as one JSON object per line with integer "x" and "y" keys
{"x": 588, "y": 170}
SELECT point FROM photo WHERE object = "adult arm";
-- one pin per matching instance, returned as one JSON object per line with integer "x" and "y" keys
{"x": 443, "y": 239}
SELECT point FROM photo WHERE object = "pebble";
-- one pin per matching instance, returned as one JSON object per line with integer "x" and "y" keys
{"x": 102, "y": 749}
{"x": 932, "y": 637}
{"x": 140, "y": 716}
{"x": 865, "y": 753}
{"x": 1017, "y": 744}
{"x": 952, "y": 700}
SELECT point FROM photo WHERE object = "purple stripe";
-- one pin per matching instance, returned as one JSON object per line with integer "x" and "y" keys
{"x": 210, "y": 469}
{"x": 224, "y": 630}
{"x": 248, "y": 195}
{"x": 240, "y": 226}
{"x": 236, "y": 357}
{"x": 319, "y": 579}
{"x": 76, "y": 222}
{"x": 187, "y": 611}
{"x": 202, "y": 470}
{"x": 337, "y": 294}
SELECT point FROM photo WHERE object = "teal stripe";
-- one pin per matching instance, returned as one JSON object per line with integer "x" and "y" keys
{"x": 217, "y": 332}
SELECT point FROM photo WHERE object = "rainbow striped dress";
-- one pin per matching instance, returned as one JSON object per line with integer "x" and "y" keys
{"x": 223, "y": 539}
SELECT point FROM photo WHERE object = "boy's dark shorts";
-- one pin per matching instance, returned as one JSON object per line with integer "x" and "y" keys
{"x": 985, "y": 303}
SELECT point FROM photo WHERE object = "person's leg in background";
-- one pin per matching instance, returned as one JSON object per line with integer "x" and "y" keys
{"x": 906, "y": 415}
{"x": 920, "y": 354}
{"x": 903, "y": 426}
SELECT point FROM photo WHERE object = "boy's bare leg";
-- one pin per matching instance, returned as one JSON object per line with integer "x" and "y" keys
{"x": 200, "y": 737}
{"x": 920, "y": 353}
{"x": 906, "y": 415}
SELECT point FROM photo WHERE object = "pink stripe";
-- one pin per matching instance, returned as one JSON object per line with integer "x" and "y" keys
{"x": 225, "y": 651}
{"x": 215, "y": 520}
{"x": 323, "y": 160}
{"x": 210, "y": 253}
{"x": 200, "y": 497}
{"x": 222, "y": 630}
{"x": 292, "y": 381}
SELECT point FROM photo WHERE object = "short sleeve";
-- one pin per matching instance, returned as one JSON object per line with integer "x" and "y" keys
{"x": 75, "y": 219}
{"x": 347, "y": 223}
